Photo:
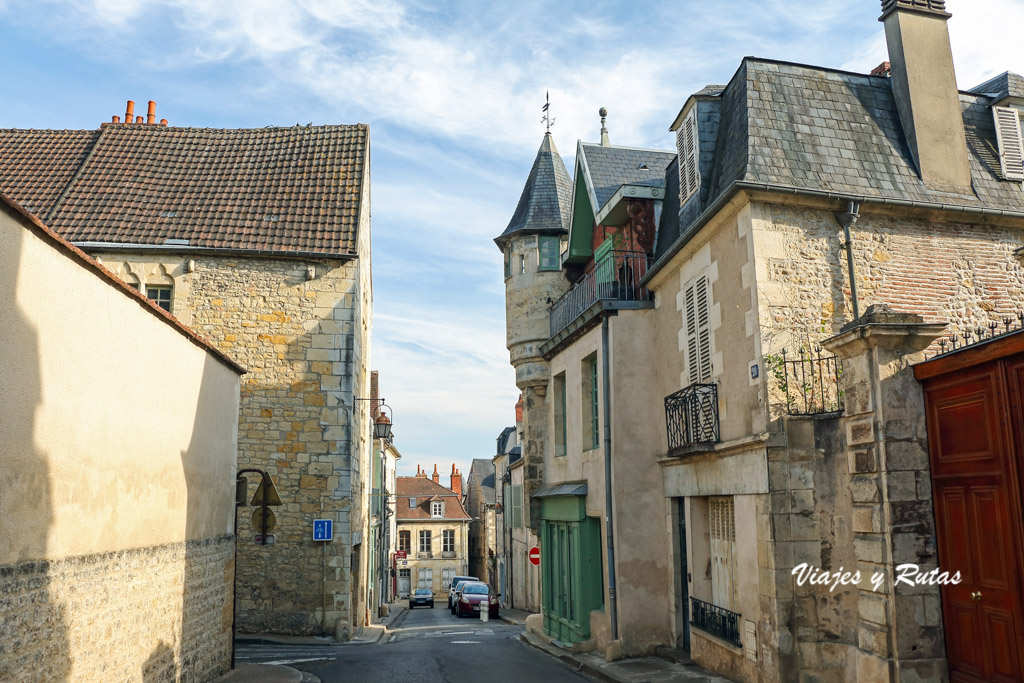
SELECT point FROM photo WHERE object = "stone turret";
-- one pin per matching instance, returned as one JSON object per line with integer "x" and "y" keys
{"x": 532, "y": 244}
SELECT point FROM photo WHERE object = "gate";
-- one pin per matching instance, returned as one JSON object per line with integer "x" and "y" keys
{"x": 973, "y": 402}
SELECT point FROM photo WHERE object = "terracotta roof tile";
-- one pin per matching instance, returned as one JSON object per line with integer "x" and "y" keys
{"x": 278, "y": 189}
{"x": 424, "y": 490}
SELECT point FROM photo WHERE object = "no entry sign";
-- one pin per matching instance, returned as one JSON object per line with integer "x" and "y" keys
{"x": 535, "y": 556}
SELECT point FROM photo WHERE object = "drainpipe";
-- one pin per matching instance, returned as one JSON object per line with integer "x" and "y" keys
{"x": 846, "y": 219}
{"x": 608, "y": 519}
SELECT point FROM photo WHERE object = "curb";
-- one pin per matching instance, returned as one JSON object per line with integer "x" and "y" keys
{"x": 571, "y": 661}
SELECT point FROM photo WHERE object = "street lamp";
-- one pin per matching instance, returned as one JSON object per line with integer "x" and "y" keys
{"x": 382, "y": 427}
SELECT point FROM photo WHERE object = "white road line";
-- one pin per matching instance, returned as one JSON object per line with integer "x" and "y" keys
{"x": 297, "y": 661}
{"x": 465, "y": 642}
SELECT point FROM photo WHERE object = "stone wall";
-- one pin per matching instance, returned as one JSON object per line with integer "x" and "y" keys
{"x": 161, "y": 613}
{"x": 300, "y": 328}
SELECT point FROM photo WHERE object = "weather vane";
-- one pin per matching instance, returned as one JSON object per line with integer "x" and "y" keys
{"x": 547, "y": 119}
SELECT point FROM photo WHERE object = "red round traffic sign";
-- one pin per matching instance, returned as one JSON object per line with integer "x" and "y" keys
{"x": 535, "y": 556}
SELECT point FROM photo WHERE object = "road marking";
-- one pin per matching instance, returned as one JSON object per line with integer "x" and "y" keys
{"x": 465, "y": 642}
{"x": 297, "y": 661}
{"x": 457, "y": 633}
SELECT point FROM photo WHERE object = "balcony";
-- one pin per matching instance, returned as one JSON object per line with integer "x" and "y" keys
{"x": 691, "y": 416}
{"x": 616, "y": 277}
{"x": 717, "y": 621}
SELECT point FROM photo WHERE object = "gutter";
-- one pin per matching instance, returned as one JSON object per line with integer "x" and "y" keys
{"x": 609, "y": 513}
{"x": 214, "y": 251}
{"x": 739, "y": 185}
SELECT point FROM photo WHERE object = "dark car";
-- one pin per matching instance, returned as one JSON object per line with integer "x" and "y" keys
{"x": 474, "y": 597}
{"x": 421, "y": 596}
{"x": 453, "y": 586}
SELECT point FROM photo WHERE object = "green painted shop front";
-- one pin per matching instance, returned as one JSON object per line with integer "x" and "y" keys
{"x": 572, "y": 577}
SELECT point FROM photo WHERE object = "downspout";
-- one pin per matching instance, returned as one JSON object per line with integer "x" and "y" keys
{"x": 609, "y": 515}
{"x": 846, "y": 219}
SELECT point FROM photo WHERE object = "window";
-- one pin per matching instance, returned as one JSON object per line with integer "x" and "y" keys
{"x": 1011, "y": 147}
{"x": 687, "y": 146}
{"x": 547, "y": 257}
{"x": 591, "y": 434}
{"x": 424, "y": 542}
{"x": 161, "y": 296}
{"x": 447, "y": 574}
{"x": 522, "y": 264}
{"x": 508, "y": 261}
{"x": 517, "y": 505}
{"x": 425, "y": 577}
{"x": 405, "y": 541}
{"x": 448, "y": 541}
{"x": 560, "y": 426}
{"x": 722, "y": 527}
{"x": 412, "y": 502}
{"x": 698, "y": 330}
{"x": 437, "y": 509}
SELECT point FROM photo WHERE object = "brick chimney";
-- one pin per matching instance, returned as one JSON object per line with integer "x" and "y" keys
{"x": 519, "y": 409}
{"x": 456, "y": 482}
{"x": 924, "y": 85}
{"x": 435, "y": 476}
{"x": 882, "y": 70}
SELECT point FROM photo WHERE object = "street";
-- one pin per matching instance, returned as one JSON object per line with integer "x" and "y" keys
{"x": 424, "y": 645}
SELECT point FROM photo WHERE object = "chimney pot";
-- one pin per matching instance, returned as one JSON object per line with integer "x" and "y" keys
{"x": 139, "y": 119}
{"x": 129, "y": 111}
{"x": 163, "y": 122}
{"x": 435, "y": 476}
{"x": 115, "y": 119}
{"x": 151, "y": 113}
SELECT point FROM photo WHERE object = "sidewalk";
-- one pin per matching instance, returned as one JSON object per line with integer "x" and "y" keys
{"x": 276, "y": 673}
{"x": 516, "y": 617}
{"x": 634, "y": 670}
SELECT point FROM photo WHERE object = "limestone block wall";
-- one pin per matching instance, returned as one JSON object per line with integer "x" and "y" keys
{"x": 119, "y": 434}
{"x": 301, "y": 328}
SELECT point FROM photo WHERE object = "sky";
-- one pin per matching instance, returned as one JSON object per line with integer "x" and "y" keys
{"x": 452, "y": 92}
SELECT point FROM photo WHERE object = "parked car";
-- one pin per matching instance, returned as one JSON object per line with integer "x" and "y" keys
{"x": 474, "y": 597}
{"x": 421, "y": 596}
{"x": 454, "y": 585}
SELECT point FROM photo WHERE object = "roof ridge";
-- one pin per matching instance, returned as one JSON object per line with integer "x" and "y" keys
{"x": 632, "y": 149}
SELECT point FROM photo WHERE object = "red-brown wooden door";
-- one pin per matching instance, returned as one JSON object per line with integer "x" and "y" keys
{"x": 975, "y": 438}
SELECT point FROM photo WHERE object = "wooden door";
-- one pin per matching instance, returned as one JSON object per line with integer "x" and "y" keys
{"x": 974, "y": 445}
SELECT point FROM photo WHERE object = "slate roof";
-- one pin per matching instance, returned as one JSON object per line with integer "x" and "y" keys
{"x": 668, "y": 228}
{"x": 544, "y": 204}
{"x": 1006, "y": 84}
{"x": 423, "y": 489}
{"x": 279, "y": 189}
{"x": 611, "y": 167}
{"x": 482, "y": 472}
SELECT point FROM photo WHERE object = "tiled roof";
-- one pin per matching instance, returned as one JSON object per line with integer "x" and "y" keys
{"x": 547, "y": 196}
{"x": 278, "y": 189}
{"x": 611, "y": 167}
{"x": 31, "y": 222}
{"x": 423, "y": 489}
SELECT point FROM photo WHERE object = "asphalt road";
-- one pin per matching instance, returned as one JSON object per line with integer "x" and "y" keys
{"x": 426, "y": 645}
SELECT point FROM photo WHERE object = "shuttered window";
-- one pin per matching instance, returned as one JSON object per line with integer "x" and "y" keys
{"x": 722, "y": 523}
{"x": 687, "y": 148}
{"x": 698, "y": 330}
{"x": 1011, "y": 146}
{"x": 517, "y": 505}
{"x": 425, "y": 577}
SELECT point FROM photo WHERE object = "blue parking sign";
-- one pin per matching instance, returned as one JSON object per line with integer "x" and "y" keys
{"x": 323, "y": 530}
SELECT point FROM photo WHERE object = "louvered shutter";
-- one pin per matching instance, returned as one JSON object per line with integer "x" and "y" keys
{"x": 698, "y": 331}
{"x": 723, "y": 541}
{"x": 687, "y": 150}
{"x": 1011, "y": 147}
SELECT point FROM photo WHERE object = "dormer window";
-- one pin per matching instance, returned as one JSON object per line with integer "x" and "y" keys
{"x": 437, "y": 509}
{"x": 1011, "y": 146}
{"x": 688, "y": 149}
{"x": 412, "y": 502}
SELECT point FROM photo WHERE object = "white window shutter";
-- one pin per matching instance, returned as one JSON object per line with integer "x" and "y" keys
{"x": 703, "y": 329}
{"x": 723, "y": 541}
{"x": 692, "y": 357}
{"x": 1011, "y": 147}
{"x": 687, "y": 149}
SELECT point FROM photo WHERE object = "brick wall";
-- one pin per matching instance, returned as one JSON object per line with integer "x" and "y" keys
{"x": 165, "y": 611}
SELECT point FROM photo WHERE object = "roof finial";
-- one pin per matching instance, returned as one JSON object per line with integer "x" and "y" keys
{"x": 547, "y": 119}
{"x": 604, "y": 131}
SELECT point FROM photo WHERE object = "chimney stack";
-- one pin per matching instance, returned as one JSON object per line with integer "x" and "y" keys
{"x": 924, "y": 85}
{"x": 435, "y": 476}
{"x": 456, "y": 482}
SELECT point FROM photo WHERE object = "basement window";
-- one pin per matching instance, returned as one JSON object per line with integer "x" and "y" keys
{"x": 1011, "y": 146}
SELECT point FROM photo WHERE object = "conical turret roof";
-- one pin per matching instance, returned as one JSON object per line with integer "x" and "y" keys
{"x": 544, "y": 204}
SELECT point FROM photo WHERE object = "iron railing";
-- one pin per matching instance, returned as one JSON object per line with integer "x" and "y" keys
{"x": 691, "y": 416}
{"x": 812, "y": 382}
{"x": 616, "y": 276}
{"x": 717, "y": 621}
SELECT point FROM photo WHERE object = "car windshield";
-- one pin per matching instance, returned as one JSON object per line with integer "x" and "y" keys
{"x": 422, "y": 591}
{"x": 462, "y": 579}
{"x": 476, "y": 589}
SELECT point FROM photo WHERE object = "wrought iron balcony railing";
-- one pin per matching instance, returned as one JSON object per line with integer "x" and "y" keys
{"x": 812, "y": 382}
{"x": 616, "y": 277}
{"x": 717, "y": 621}
{"x": 691, "y": 416}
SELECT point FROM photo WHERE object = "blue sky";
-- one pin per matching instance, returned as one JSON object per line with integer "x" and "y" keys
{"x": 452, "y": 92}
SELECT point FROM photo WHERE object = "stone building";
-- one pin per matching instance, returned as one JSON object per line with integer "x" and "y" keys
{"x": 819, "y": 232}
{"x": 115, "y": 511}
{"x": 259, "y": 240}
{"x": 433, "y": 532}
{"x": 480, "y": 502}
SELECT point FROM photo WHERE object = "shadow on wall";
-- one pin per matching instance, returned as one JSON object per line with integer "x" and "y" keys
{"x": 34, "y": 623}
